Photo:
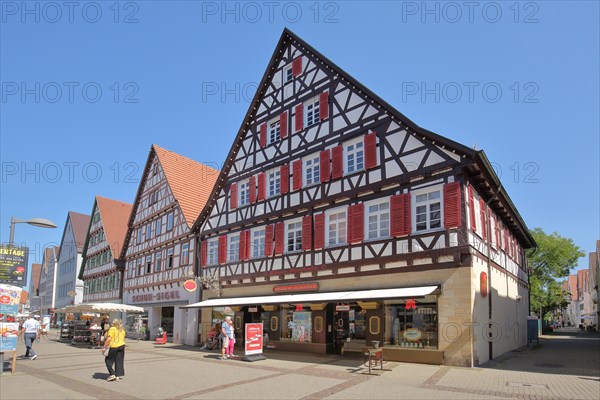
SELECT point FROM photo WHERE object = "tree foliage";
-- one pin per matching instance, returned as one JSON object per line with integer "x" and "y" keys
{"x": 552, "y": 261}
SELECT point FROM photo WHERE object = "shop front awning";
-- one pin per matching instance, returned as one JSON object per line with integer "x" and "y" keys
{"x": 101, "y": 308}
{"x": 362, "y": 295}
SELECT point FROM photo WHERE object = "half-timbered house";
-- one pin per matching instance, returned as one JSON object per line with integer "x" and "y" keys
{"x": 337, "y": 221}
{"x": 159, "y": 247}
{"x": 102, "y": 271}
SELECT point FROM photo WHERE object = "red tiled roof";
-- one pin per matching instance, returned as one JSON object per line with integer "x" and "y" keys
{"x": 573, "y": 287}
{"x": 114, "y": 215}
{"x": 80, "y": 224}
{"x": 190, "y": 181}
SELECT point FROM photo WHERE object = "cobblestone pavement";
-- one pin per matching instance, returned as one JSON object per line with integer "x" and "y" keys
{"x": 565, "y": 366}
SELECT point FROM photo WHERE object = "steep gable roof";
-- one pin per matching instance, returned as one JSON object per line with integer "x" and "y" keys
{"x": 191, "y": 182}
{"x": 80, "y": 224}
{"x": 480, "y": 162}
{"x": 114, "y": 215}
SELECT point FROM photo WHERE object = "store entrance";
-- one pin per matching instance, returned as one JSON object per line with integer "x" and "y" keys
{"x": 166, "y": 321}
{"x": 349, "y": 328}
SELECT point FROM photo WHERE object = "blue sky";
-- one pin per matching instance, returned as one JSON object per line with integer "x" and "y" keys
{"x": 87, "y": 88}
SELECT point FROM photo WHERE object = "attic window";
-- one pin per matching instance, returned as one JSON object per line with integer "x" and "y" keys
{"x": 288, "y": 75}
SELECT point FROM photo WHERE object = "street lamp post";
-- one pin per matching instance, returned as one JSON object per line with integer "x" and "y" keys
{"x": 39, "y": 222}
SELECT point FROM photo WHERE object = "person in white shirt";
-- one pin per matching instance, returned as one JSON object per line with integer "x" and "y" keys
{"x": 31, "y": 331}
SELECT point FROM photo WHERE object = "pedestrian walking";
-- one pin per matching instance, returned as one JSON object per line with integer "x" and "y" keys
{"x": 115, "y": 343}
{"x": 31, "y": 332}
{"x": 226, "y": 336}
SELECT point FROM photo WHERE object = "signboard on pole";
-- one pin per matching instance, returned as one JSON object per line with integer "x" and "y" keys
{"x": 8, "y": 336}
{"x": 13, "y": 265}
{"x": 10, "y": 297}
{"x": 254, "y": 339}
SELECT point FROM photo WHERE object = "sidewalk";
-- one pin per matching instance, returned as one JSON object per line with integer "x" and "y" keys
{"x": 565, "y": 366}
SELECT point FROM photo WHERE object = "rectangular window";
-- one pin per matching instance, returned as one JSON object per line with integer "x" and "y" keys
{"x": 336, "y": 228}
{"x": 139, "y": 267}
{"x": 311, "y": 170}
{"x": 274, "y": 132}
{"x": 274, "y": 183}
{"x": 148, "y": 231}
{"x": 158, "y": 266}
{"x": 288, "y": 74}
{"x": 355, "y": 156}
{"x": 213, "y": 252}
{"x": 185, "y": 253}
{"x": 169, "y": 222}
{"x": 158, "y": 226}
{"x": 312, "y": 113}
{"x": 428, "y": 210}
{"x": 294, "y": 236}
{"x": 244, "y": 189}
{"x": 258, "y": 243}
{"x": 169, "y": 258}
{"x": 378, "y": 220}
{"x": 139, "y": 236}
{"x": 148, "y": 264}
{"x": 233, "y": 253}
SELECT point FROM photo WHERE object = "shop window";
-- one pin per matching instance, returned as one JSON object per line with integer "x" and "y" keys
{"x": 412, "y": 323}
{"x": 297, "y": 326}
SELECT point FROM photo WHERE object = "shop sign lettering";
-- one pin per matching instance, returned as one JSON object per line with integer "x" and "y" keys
{"x": 160, "y": 296}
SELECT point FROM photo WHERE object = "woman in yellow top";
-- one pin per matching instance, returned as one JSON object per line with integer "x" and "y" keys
{"x": 115, "y": 342}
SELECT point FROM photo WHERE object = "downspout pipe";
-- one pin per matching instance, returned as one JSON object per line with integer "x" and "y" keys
{"x": 488, "y": 229}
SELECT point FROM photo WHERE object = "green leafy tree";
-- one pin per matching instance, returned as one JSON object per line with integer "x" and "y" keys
{"x": 552, "y": 261}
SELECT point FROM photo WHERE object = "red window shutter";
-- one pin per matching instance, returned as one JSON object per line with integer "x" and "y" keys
{"x": 233, "y": 196}
{"x": 299, "y": 121}
{"x": 452, "y": 214}
{"x": 400, "y": 210}
{"x": 482, "y": 214}
{"x": 262, "y": 186}
{"x": 371, "y": 150}
{"x": 252, "y": 185}
{"x": 263, "y": 135}
{"x": 297, "y": 66}
{"x": 307, "y": 232}
{"x": 269, "y": 240}
{"x": 337, "y": 162}
{"x": 498, "y": 244}
{"x": 297, "y": 170}
{"x": 472, "y": 209}
{"x": 204, "y": 253}
{"x": 223, "y": 249}
{"x": 283, "y": 124}
{"x": 248, "y": 245}
{"x": 324, "y": 105}
{"x": 243, "y": 248}
{"x": 319, "y": 231}
{"x": 356, "y": 223}
{"x": 279, "y": 238}
{"x": 284, "y": 173}
{"x": 324, "y": 167}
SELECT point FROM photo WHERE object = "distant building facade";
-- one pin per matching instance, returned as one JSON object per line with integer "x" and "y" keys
{"x": 48, "y": 280}
{"x": 69, "y": 288}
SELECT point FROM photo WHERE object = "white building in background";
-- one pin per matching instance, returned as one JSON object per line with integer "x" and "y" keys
{"x": 48, "y": 280}
{"x": 69, "y": 289}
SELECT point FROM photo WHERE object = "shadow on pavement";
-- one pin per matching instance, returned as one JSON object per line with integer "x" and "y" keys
{"x": 564, "y": 352}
